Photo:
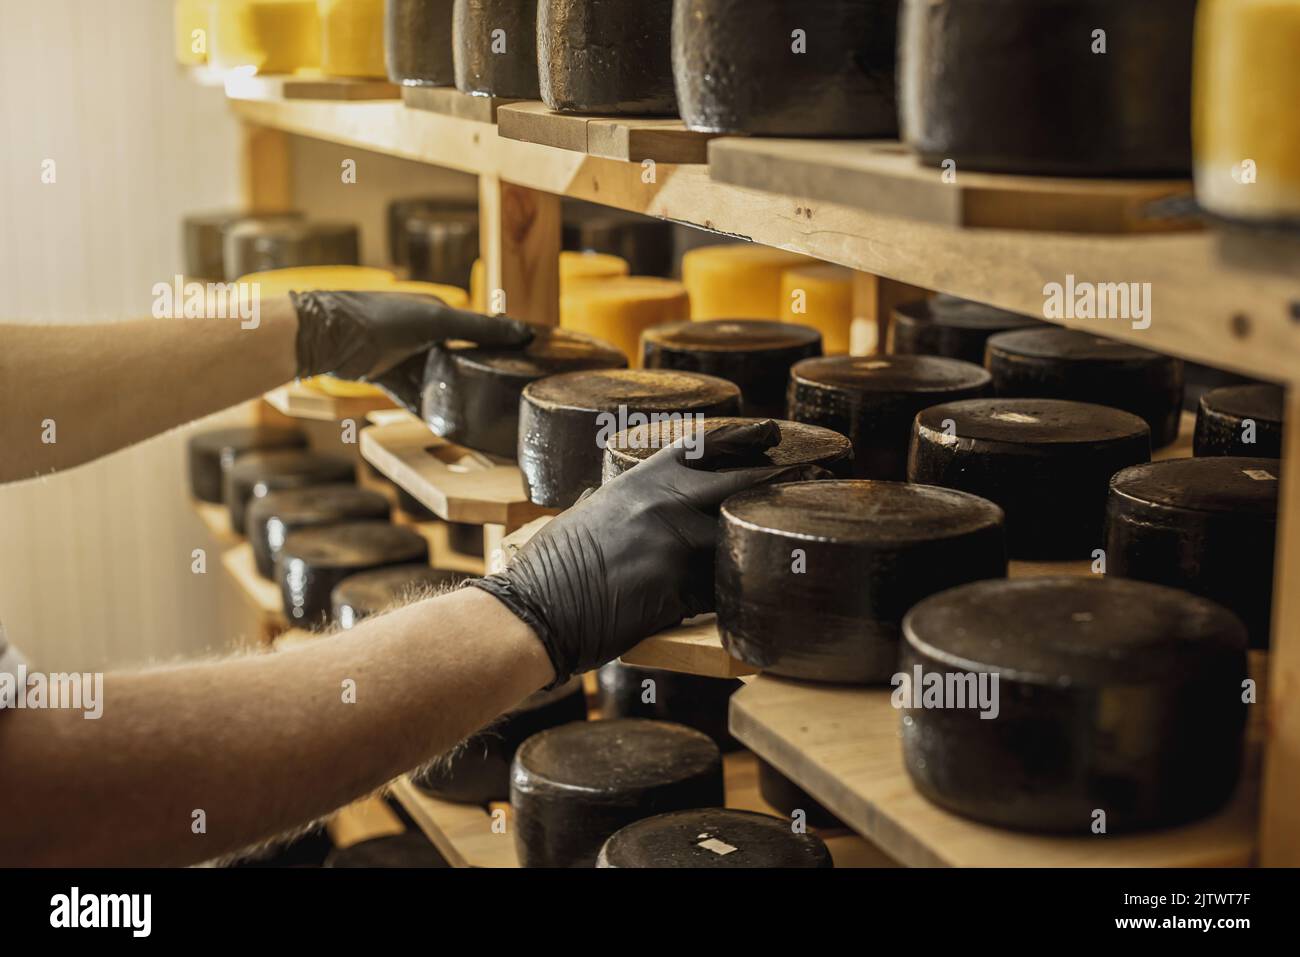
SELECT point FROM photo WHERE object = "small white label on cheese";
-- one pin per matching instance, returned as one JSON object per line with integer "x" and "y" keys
{"x": 721, "y": 848}
{"x": 873, "y": 364}
{"x": 1017, "y": 417}
{"x": 1260, "y": 475}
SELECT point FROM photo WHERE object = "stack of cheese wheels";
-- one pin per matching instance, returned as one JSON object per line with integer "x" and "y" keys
{"x": 191, "y": 20}
{"x": 1240, "y": 420}
{"x": 873, "y": 401}
{"x": 647, "y": 244}
{"x": 952, "y": 327}
{"x": 256, "y": 474}
{"x": 267, "y": 36}
{"x": 494, "y": 46}
{"x": 441, "y": 246}
{"x": 352, "y": 38}
{"x": 565, "y": 421}
{"x": 820, "y": 295}
{"x": 212, "y": 454}
{"x": 267, "y": 245}
{"x": 768, "y": 67}
{"x": 417, "y": 42}
{"x": 357, "y": 597}
{"x": 400, "y": 214}
{"x": 612, "y": 57}
{"x": 630, "y": 691}
{"x": 408, "y": 849}
{"x": 713, "y": 838}
{"x": 1205, "y": 525}
{"x": 575, "y": 267}
{"x": 272, "y": 518}
{"x": 1056, "y": 363}
{"x": 1101, "y": 87}
{"x": 737, "y": 280}
{"x": 1087, "y": 701}
{"x": 572, "y": 787}
{"x": 813, "y": 578}
{"x": 1247, "y": 160}
{"x": 619, "y": 310}
{"x": 203, "y": 237}
{"x": 1046, "y": 462}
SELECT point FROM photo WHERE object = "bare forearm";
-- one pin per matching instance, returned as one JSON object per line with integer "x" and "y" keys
{"x": 258, "y": 744}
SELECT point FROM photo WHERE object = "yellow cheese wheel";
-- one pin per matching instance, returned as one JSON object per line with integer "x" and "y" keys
{"x": 820, "y": 295}
{"x": 352, "y": 38}
{"x": 190, "y": 23}
{"x": 1245, "y": 100}
{"x": 279, "y": 282}
{"x": 265, "y": 36}
{"x": 574, "y": 267}
{"x": 453, "y": 296}
{"x": 618, "y": 310}
{"x": 737, "y": 280}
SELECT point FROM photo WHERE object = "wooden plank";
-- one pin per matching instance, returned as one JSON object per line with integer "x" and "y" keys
{"x": 462, "y": 833}
{"x": 363, "y": 820}
{"x": 626, "y": 139}
{"x": 532, "y": 122}
{"x": 280, "y": 88}
{"x": 519, "y": 239}
{"x": 216, "y": 519}
{"x": 885, "y": 177}
{"x": 450, "y": 101}
{"x": 300, "y": 401}
{"x": 263, "y": 595}
{"x": 266, "y": 175}
{"x": 694, "y": 647}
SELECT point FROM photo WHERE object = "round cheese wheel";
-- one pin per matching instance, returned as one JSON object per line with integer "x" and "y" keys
{"x": 952, "y": 327}
{"x": 813, "y": 578}
{"x": 619, "y": 310}
{"x": 873, "y": 400}
{"x": 800, "y": 445}
{"x": 565, "y": 421}
{"x": 401, "y": 212}
{"x": 203, "y": 236}
{"x": 276, "y": 515}
{"x": 262, "y": 246}
{"x": 313, "y": 561}
{"x": 1101, "y": 88}
{"x": 646, "y": 244}
{"x": 573, "y": 786}
{"x": 713, "y": 837}
{"x": 771, "y": 68}
{"x": 408, "y": 849}
{"x": 737, "y": 280}
{"x": 257, "y": 474}
{"x": 1112, "y": 697}
{"x": 753, "y": 353}
{"x": 1046, "y": 462}
{"x": 495, "y": 48}
{"x": 1207, "y": 526}
{"x": 417, "y": 42}
{"x": 1240, "y": 420}
{"x": 787, "y": 797}
{"x": 190, "y": 24}
{"x": 266, "y": 36}
{"x": 820, "y": 295}
{"x": 1055, "y": 363}
{"x": 442, "y": 246}
{"x": 612, "y": 57}
{"x": 471, "y": 394}
{"x": 281, "y": 282}
{"x": 574, "y": 267}
{"x": 357, "y": 597}
{"x": 352, "y": 38}
{"x": 212, "y": 453}
{"x": 630, "y": 691}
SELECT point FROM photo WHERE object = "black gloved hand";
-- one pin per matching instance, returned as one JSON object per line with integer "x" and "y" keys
{"x": 636, "y": 556}
{"x": 384, "y": 337}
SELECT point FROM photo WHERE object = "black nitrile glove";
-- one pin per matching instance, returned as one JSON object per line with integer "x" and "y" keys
{"x": 635, "y": 556}
{"x": 384, "y": 337}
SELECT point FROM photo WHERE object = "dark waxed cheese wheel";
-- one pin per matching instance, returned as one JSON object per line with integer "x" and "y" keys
{"x": 952, "y": 327}
{"x": 1078, "y": 112}
{"x": 212, "y": 453}
{"x": 203, "y": 237}
{"x": 417, "y": 42}
{"x": 566, "y": 420}
{"x": 313, "y": 561}
{"x": 471, "y": 393}
{"x": 1114, "y": 696}
{"x": 755, "y": 354}
{"x": 408, "y": 849}
{"x": 441, "y": 247}
{"x": 630, "y": 691}
{"x": 873, "y": 400}
{"x": 357, "y": 597}
{"x": 254, "y": 247}
{"x": 813, "y": 578}
{"x": 402, "y": 211}
{"x": 495, "y": 47}
{"x": 272, "y": 517}
{"x": 741, "y": 68}
{"x": 612, "y": 57}
{"x": 1046, "y": 462}
{"x": 713, "y": 837}
{"x": 1240, "y": 420}
{"x": 257, "y": 474}
{"x": 1206, "y": 525}
{"x": 478, "y": 770}
{"x": 787, "y": 797}
{"x": 648, "y": 245}
{"x": 1055, "y": 363}
{"x": 800, "y": 445}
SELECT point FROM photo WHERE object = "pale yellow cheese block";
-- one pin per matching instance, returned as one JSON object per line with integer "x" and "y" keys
{"x": 619, "y": 309}
{"x": 352, "y": 38}
{"x": 737, "y": 280}
{"x": 820, "y": 295}
{"x": 265, "y": 36}
{"x": 574, "y": 267}
{"x": 190, "y": 23}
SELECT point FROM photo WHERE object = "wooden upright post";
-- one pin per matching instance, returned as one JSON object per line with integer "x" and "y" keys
{"x": 520, "y": 247}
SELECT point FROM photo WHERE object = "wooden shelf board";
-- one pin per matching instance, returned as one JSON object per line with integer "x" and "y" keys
{"x": 363, "y": 820}
{"x": 299, "y": 401}
{"x": 262, "y": 595}
{"x": 623, "y": 138}
{"x": 304, "y": 86}
{"x": 450, "y": 101}
{"x": 216, "y": 519}
{"x": 462, "y": 833}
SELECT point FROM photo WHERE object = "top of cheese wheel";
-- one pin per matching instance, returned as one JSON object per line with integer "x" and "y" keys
{"x": 1261, "y": 401}
{"x": 713, "y": 837}
{"x": 648, "y": 389}
{"x": 1225, "y": 484}
{"x": 1029, "y": 422}
{"x": 306, "y": 278}
{"x": 624, "y": 754}
{"x": 876, "y": 374}
{"x": 552, "y": 351}
{"x": 731, "y": 335}
{"x": 1055, "y": 343}
{"x": 354, "y": 544}
{"x": 948, "y": 310}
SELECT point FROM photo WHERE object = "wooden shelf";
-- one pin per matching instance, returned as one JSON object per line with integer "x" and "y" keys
{"x": 264, "y": 596}
{"x": 449, "y": 101}
{"x": 622, "y": 138}
{"x": 299, "y": 401}
{"x": 462, "y": 833}
{"x": 363, "y": 820}
{"x": 216, "y": 519}
{"x": 308, "y": 87}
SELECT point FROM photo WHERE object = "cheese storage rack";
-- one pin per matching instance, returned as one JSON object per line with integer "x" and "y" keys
{"x": 1230, "y": 299}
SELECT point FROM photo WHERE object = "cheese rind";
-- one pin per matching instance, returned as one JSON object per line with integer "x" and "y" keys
{"x": 256, "y": 474}
{"x": 713, "y": 838}
{"x": 417, "y": 42}
{"x": 495, "y": 48}
{"x": 618, "y": 310}
{"x": 952, "y": 327}
{"x": 1240, "y": 420}
{"x": 214, "y": 452}
{"x": 820, "y": 296}
{"x": 265, "y": 36}
{"x": 352, "y": 38}
{"x": 255, "y": 247}
{"x": 737, "y": 280}
{"x": 274, "y": 516}
{"x": 648, "y": 245}
{"x": 692, "y": 700}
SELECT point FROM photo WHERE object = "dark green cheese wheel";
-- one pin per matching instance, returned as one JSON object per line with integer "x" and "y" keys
{"x": 565, "y": 421}
{"x": 417, "y": 42}
{"x": 495, "y": 46}
{"x": 253, "y": 247}
{"x": 612, "y": 57}
{"x": 1207, "y": 526}
{"x": 272, "y": 517}
{"x": 213, "y": 452}
{"x": 203, "y": 237}
{"x": 257, "y": 474}
{"x": 442, "y": 246}
{"x": 873, "y": 400}
{"x": 630, "y": 691}
{"x": 1079, "y": 109}
{"x": 408, "y": 849}
{"x": 1112, "y": 697}
{"x": 788, "y": 798}
{"x": 952, "y": 327}
{"x": 357, "y": 597}
{"x": 755, "y": 354}
{"x": 401, "y": 212}
{"x": 648, "y": 245}
{"x": 572, "y": 787}
{"x": 713, "y": 837}
{"x": 313, "y": 561}
{"x": 1055, "y": 363}
{"x": 813, "y": 578}
{"x": 1047, "y": 463}
{"x": 471, "y": 393}
{"x": 775, "y": 68}
{"x": 1240, "y": 420}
